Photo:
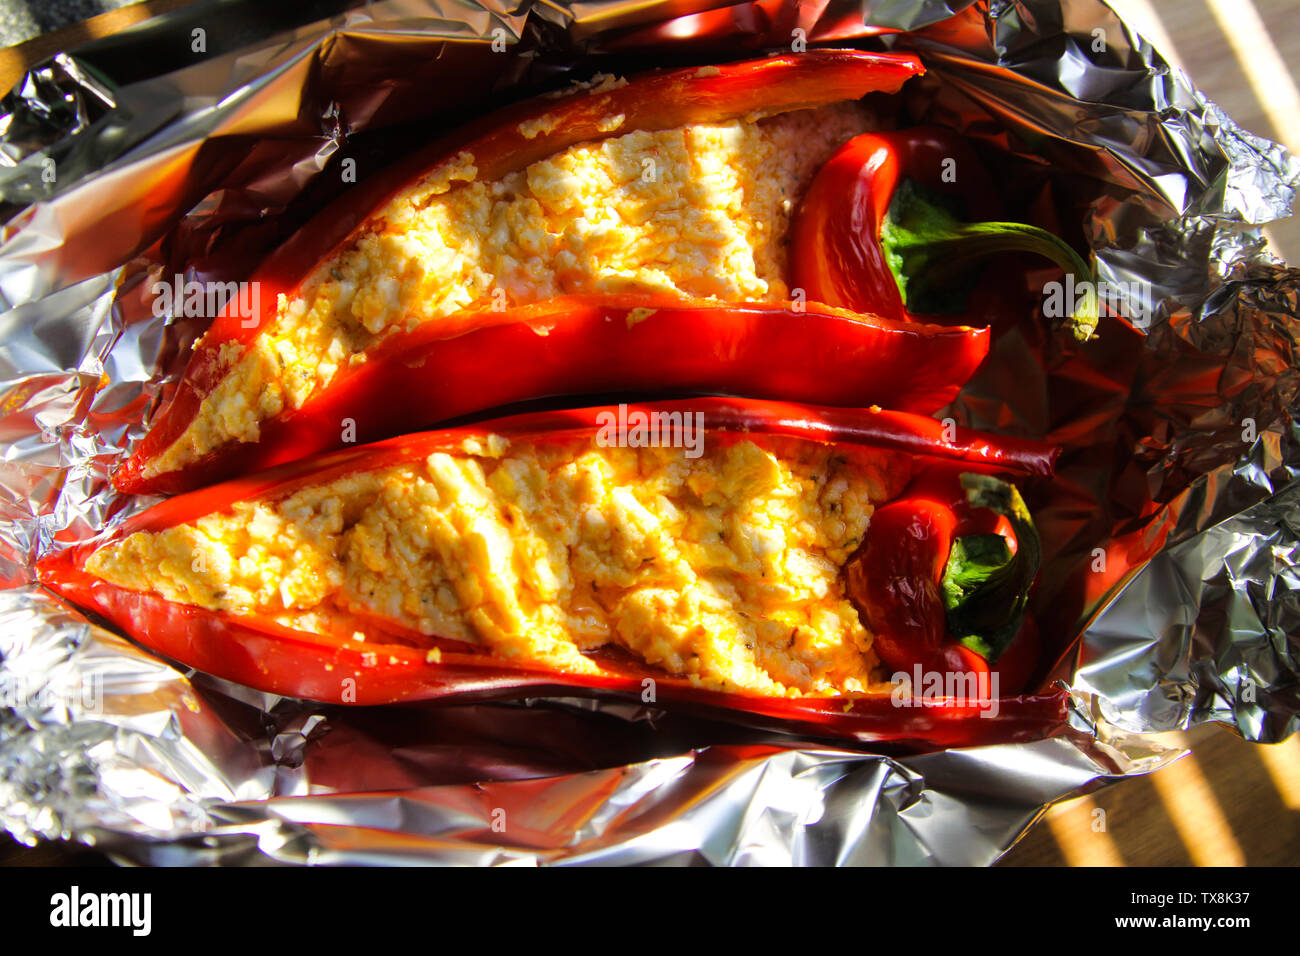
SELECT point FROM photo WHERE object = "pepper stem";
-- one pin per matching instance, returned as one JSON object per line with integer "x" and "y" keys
{"x": 986, "y": 587}
{"x": 930, "y": 251}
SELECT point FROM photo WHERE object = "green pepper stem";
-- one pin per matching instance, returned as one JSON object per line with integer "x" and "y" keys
{"x": 927, "y": 248}
{"x": 985, "y": 587}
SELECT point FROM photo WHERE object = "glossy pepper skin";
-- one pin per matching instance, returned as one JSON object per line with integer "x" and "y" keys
{"x": 393, "y": 664}
{"x": 475, "y": 361}
{"x": 872, "y": 229}
{"x": 499, "y": 146}
{"x": 897, "y": 582}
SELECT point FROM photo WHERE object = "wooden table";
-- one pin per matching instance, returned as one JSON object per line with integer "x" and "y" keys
{"x": 1228, "y": 803}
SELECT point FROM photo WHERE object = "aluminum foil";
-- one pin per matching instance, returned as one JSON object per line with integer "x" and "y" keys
{"x": 1172, "y": 528}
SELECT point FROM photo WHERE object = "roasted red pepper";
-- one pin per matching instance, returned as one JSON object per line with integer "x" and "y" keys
{"x": 873, "y": 229}
{"x": 943, "y": 578}
{"x": 499, "y": 144}
{"x": 393, "y": 664}
{"x": 574, "y": 346}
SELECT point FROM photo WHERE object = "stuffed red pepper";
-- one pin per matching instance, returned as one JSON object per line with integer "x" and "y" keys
{"x": 676, "y": 183}
{"x": 697, "y": 552}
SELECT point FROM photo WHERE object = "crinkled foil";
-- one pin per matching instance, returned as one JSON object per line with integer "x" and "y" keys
{"x": 1173, "y": 527}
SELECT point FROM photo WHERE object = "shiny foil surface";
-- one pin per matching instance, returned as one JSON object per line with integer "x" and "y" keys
{"x": 1172, "y": 530}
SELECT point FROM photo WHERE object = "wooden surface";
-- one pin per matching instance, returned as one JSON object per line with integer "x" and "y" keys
{"x": 15, "y": 60}
{"x": 1228, "y": 803}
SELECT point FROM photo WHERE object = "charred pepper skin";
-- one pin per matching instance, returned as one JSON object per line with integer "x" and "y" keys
{"x": 396, "y": 664}
{"x": 502, "y": 143}
{"x": 576, "y": 346}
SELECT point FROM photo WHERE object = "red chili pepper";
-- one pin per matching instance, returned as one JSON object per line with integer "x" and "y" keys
{"x": 474, "y": 361}
{"x": 872, "y": 228}
{"x": 510, "y": 140}
{"x": 391, "y": 665}
{"x": 907, "y": 578}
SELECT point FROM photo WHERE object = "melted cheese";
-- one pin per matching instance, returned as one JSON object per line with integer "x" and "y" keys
{"x": 723, "y": 568}
{"x": 699, "y": 211}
